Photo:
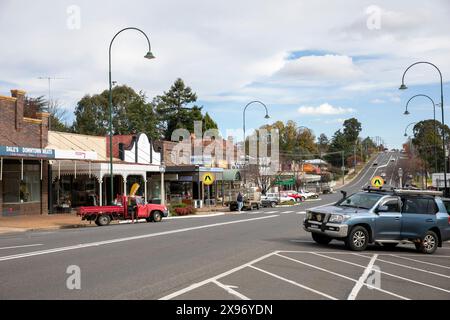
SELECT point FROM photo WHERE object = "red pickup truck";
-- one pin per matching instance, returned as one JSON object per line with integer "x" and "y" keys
{"x": 127, "y": 208}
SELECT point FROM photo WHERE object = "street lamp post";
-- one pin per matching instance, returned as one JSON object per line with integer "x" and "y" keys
{"x": 148, "y": 55}
{"x": 243, "y": 123}
{"x": 162, "y": 170}
{"x": 404, "y": 87}
{"x": 434, "y": 123}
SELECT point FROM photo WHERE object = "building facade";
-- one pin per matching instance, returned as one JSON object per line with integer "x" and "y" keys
{"x": 23, "y": 157}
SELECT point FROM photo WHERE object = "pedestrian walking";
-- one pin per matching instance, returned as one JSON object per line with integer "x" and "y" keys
{"x": 240, "y": 201}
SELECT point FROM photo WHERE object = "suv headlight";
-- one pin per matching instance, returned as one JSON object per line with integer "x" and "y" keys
{"x": 338, "y": 218}
{"x": 308, "y": 215}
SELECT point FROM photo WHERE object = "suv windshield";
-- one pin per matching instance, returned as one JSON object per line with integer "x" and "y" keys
{"x": 362, "y": 200}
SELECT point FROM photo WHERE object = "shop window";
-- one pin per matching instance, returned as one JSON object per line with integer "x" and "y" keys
{"x": 16, "y": 190}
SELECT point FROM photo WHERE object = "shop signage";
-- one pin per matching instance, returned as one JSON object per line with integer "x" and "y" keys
{"x": 26, "y": 152}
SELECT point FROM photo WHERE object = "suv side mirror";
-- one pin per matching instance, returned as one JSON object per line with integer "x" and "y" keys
{"x": 382, "y": 208}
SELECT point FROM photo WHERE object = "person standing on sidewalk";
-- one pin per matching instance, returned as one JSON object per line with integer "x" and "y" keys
{"x": 240, "y": 201}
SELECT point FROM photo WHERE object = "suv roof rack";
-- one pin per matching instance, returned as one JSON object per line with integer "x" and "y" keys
{"x": 404, "y": 191}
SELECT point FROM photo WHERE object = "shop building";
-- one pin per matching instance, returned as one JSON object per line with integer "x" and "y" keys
{"x": 23, "y": 157}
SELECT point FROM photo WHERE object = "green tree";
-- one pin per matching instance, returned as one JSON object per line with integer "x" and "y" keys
{"x": 426, "y": 139}
{"x": 57, "y": 113}
{"x": 173, "y": 108}
{"x": 323, "y": 142}
{"x": 131, "y": 113}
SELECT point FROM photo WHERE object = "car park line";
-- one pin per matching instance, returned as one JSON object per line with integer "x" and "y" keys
{"x": 99, "y": 243}
{"x": 230, "y": 290}
{"x": 408, "y": 267}
{"x": 294, "y": 283}
{"x": 289, "y": 211}
{"x": 380, "y": 254}
{"x": 360, "y": 283}
{"x": 429, "y": 263}
{"x": 23, "y": 246}
{"x": 209, "y": 280}
{"x": 386, "y": 273}
{"x": 342, "y": 276}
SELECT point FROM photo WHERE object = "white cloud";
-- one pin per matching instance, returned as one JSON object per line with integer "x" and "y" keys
{"x": 323, "y": 67}
{"x": 377, "y": 101}
{"x": 324, "y": 109}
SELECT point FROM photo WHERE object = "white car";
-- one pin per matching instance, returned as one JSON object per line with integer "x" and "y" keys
{"x": 307, "y": 194}
{"x": 282, "y": 196}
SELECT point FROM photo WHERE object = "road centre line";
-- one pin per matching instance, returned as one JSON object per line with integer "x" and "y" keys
{"x": 342, "y": 276}
{"x": 420, "y": 261}
{"x": 100, "y": 243}
{"x": 294, "y": 283}
{"x": 386, "y": 273}
{"x": 408, "y": 267}
{"x": 361, "y": 281}
{"x": 23, "y": 246}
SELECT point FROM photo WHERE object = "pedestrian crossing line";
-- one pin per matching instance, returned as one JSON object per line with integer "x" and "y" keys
{"x": 289, "y": 211}
{"x": 301, "y": 212}
{"x": 270, "y": 212}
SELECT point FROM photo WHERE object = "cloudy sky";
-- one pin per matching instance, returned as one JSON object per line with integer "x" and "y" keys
{"x": 315, "y": 62}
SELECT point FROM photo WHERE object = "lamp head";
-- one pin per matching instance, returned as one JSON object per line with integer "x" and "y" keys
{"x": 267, "y": 116}
{"x": 403, "y": 87}
{"x": 149, "y": 55}
{"x": 406, "y": 112}
{"x": 405, "y": 134}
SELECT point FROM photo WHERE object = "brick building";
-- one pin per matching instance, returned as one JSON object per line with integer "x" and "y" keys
{"x": 23, "y": 157}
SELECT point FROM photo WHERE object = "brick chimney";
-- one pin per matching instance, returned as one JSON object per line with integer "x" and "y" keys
{"x": 20, "y": 102}
{"x": 44, "y": 116}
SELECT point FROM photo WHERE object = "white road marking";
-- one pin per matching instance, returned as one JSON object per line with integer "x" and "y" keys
{"x": 289, "y": 211}
{"x": 409, "y": 267}
{"x": 342, "y": 276}
{"x": 195, "y": 216}
{"x": 100, "y": 243}
{"x": 294, "y": 283}
{"x": 302, "y": 241}
{"x": 379, "y": 167}
{"x": 361, "y": 281}
{"x": 269, "y": 212}
{"x": 224, "y": 274}
{"x": 24, "y": 246}
{"x": 429, "y": 263}
{"x": 230, "y": 290}
{"x": 386, "y": 273}
{"x": 301, "y": 212}
{"x": 350, "y": 253}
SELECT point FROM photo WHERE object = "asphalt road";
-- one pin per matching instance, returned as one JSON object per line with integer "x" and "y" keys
{"x": 262, "y": 254}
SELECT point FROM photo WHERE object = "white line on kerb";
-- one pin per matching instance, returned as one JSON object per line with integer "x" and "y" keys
{"x": 100, "y": 243}
{"x": 354, "y": 293}
{"x": 24, "y": 246}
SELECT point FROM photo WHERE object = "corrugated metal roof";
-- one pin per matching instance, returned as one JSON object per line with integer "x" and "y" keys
{"x": 80, "y": 142}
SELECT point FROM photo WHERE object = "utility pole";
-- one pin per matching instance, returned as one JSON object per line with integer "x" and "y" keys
{"x": 343, "y": 168}
{"x": 48, "y": 78}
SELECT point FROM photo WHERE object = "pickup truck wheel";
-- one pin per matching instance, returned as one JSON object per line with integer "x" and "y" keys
{"x": 320, "y": 238}
{"x": 103, "y": 220}
{"x": 358, "y": 239}
{"x": 429, "y": 243}
{"x": 273, "y": 204}
{"x": 156, "y": 216}
{"x": 302, "y": 199}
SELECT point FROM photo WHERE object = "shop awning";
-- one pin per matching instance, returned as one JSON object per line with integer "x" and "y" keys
{"x": 231, "y": 175}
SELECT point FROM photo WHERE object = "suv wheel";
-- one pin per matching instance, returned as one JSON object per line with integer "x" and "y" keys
{"x": 320, "y": 238}
{"x": 358, "y": 239}
{"x": 273, "y": 204}
{"x": 429, "y": 243}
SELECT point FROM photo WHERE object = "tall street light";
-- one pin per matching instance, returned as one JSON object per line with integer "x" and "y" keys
{"x": 243, "y": 122}
{"x": 404, "y": 87}
{"x": 434, "y": 124}
{"x": 148, "y": 55}
{"x": 408, "y": 127}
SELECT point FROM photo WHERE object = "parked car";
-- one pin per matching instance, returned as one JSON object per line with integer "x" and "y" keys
{"x": 270, "y": 202}
{"x": 281, "y": 197}
{"x": 383, "y": 217}
{"x": 296, "y": 195}
{"x": 308, "y": 194}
